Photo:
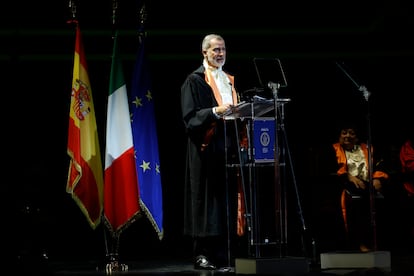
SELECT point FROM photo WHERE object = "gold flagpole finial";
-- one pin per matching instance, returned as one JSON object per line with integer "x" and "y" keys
{"x": 142, "y": 18}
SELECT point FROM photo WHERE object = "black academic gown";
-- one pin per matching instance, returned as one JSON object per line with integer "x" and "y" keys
{"x": 205, "y": 181}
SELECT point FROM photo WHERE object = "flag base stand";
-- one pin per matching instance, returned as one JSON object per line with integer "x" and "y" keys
{"x": 113, "y": 265}
{"x": 282, "y": 266}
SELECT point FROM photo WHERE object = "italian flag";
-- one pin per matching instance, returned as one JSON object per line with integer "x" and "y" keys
{"x": 121, "y": 200}
{"x": 85, "y": 178}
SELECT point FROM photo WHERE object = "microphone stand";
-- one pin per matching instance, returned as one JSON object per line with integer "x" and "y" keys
{"x": 281, "y": 202}
{"x": 366, "y": 95}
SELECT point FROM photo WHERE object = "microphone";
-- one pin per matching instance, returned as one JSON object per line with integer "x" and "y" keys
{"x": 364, "y": 91}
{"x": 272, "y": 85}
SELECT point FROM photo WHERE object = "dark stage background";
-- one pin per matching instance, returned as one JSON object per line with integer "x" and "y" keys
{"x": 372, "y": 39}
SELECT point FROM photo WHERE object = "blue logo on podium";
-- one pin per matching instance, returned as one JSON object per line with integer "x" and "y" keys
{"x": 264, "y": 139}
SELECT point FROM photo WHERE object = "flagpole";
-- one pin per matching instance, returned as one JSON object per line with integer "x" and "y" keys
{"x": 105, "y": 239}
{"x": 85, "y": 183}
{"x": 121, "y": 202}
{"x": 113, "y": 264}
{"x": 144, "y": 132}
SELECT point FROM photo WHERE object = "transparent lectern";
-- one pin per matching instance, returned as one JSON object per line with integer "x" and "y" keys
{"x": 259, "y": 163}
{"x": 255, "y": 164}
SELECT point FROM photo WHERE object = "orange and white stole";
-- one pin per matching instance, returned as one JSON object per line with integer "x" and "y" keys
{"x": 211, "y": 81}
{"x": 241, "y": 207}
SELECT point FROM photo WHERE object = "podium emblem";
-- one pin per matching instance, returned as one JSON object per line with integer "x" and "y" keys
{"x": 264, "y": 139}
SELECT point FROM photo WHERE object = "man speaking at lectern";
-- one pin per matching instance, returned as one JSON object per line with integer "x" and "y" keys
{"x": 206, "y": 95}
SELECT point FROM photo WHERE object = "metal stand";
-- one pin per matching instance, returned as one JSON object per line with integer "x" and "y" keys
{"x": 282, "y": 156}
{"x": 375, "y": 258}
{"x": 366, "y": 95}
{"x": 112, "y": 264}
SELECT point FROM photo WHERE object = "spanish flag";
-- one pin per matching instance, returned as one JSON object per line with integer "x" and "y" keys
{"x": 85, "y": 177}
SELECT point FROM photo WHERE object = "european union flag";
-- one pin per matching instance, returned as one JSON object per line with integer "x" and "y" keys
{"x": 144, "y": 132}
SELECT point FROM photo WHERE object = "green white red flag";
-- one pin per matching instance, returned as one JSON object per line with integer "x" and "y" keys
{"x": 121, "y": 203}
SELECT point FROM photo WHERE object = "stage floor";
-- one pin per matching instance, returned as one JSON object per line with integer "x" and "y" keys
{"x": 176, "y": 265}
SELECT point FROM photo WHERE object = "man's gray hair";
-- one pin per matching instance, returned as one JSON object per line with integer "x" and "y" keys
{"x": 207, "y": 39}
